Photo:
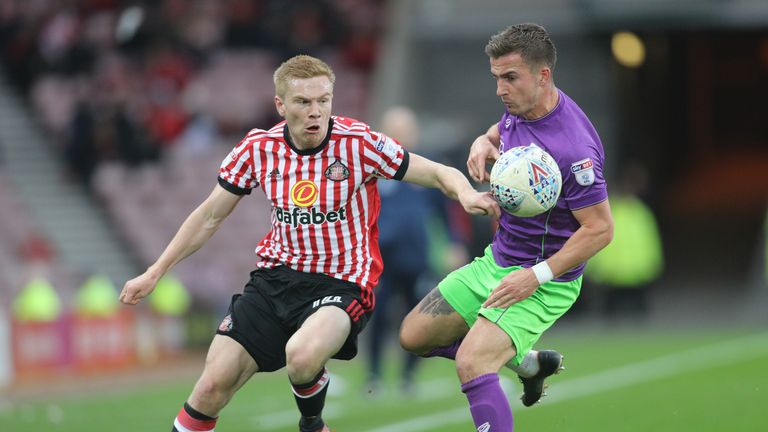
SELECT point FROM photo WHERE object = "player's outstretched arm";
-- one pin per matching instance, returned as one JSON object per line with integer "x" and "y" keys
{"x": 452, "y": 183}
{"x": 193, "y": 233}
{"x": 484, "y": 150}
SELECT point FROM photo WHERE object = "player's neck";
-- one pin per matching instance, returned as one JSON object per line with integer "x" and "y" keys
{"x": 548, "y": 102}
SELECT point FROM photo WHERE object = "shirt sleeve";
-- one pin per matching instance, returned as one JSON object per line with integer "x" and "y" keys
{"x": 583, "y": 182}
{"x": 237, "y": 171}
{"x": 384, "y": 157}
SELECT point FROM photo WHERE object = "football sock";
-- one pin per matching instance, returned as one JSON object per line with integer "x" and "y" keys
{"x": 310, "y": 398}
{"x": 528, "y": 367}
{"x": 311, "y": 424}
{"x": 488, "y": 404}
{"x": 191, "y": 420}
{"x": 448, "y": 352}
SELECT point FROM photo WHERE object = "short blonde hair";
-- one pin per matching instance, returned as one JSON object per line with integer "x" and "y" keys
{"x": 300, "y": 67}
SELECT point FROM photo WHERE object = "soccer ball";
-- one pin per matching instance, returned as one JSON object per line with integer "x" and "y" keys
{"x": 526, "y": 181}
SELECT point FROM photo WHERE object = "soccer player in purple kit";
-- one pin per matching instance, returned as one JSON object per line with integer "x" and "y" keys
{"x": 491, "y": 312}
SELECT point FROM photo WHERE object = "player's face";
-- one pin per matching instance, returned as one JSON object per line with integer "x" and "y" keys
{"x": 519, "y": 88}
{"x": 306, "y": 107}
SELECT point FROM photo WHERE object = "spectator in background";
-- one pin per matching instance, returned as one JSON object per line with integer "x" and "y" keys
{"x": 404, "y": 243}
{"x": 627, "y": 267}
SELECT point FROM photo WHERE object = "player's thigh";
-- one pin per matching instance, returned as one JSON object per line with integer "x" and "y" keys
{"x": 432, "y": 323}
{"x": 526, "y": 320}
{"x": 321, "y": 335}
{"x": 227, "y": 367}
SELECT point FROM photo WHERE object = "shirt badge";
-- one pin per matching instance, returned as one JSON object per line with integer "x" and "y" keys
{"x": 584, "y": 171}
{"x": 337, "y": 171}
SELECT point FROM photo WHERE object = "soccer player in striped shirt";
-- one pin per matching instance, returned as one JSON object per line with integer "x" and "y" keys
{"x": 311, "y": 293}
{"x": 491, "y": 312}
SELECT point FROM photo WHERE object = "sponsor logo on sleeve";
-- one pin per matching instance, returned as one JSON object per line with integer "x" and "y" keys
{"x": 388, "y": 147}
{"x": 584, "y": 171}
{"x": 231, "y": 157}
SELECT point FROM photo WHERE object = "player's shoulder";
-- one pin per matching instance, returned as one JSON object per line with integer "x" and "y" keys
{"x": 349, "y": 126}
{"x": 257, "y": 137}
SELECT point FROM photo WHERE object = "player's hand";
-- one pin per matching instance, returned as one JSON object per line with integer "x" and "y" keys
{"x": 481, "y": 153}
{"x": 514, "y": 287}
{"x": 480, "y": 203}
{"x": 138, "y": 288}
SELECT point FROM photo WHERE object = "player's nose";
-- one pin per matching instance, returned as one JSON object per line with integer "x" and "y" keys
{"x": 314, "y": 110}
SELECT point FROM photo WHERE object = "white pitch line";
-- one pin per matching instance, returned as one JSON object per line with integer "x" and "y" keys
{"x": 661, "y": 367}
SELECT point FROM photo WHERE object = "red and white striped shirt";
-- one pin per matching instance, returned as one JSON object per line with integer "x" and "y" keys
{"x": 325, "y": 203}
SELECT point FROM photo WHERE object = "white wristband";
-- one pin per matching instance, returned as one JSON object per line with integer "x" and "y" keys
{"x": 543, "y": 272}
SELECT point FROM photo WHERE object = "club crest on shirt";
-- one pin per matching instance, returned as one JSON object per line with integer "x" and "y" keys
{"x": 584, "y": 171}
{"x": 226, "y": 324}
{"x": 337, "y": 171}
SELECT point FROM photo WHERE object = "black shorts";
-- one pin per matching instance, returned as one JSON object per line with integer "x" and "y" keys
{"x": 275, "y": 303}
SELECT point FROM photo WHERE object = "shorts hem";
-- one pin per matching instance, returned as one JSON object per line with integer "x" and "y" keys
{"x": 260, "y": 366}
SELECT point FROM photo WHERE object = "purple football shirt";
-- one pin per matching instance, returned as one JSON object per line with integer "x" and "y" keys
{"x": 569, "y": 137}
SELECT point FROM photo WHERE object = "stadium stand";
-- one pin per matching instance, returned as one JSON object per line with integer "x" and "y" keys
{"x": 143, "y": 101}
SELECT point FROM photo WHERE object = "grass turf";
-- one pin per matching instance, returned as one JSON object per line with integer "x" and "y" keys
{"x": 724, "y": 391}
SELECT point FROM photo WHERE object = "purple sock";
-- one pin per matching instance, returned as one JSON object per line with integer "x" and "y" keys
{"x": 448, "y": 352}
{"x": 488, "y": 404}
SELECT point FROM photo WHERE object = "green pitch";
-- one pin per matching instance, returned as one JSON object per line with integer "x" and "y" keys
{"x": 620, "y": 380}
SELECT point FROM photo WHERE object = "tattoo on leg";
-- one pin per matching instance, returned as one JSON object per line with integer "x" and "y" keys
{"x": 434, "y": 304}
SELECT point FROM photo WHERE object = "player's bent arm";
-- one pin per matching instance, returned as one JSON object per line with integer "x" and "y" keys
{"x": 451, "y": 182}
{"x": 484, "y": 149}
{"x": 595, "y": 232}
{"x": 199, "y": 226}
{"x": 493, "y": 135}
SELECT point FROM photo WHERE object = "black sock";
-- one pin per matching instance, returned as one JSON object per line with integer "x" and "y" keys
{"x": 311, "y": 424}
{"x": 310, "y": 398}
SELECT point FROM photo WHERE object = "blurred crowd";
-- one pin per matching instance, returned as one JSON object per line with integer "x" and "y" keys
{"x": 128, "y": 80}
{"x": 154, "y": 93}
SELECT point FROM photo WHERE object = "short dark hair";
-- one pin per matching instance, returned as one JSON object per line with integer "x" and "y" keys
{"x": 529, "y": 40}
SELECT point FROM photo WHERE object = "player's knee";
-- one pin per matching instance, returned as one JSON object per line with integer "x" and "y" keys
{"x": 209, "y": 394}
{"x": 473, "y": 361}
{"x": 467, "y": 367}
{"x": 302, "y": 364}
{"x": 411, "y": 341}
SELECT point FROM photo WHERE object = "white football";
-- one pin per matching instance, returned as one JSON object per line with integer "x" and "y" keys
{"x": 526, "y": 181}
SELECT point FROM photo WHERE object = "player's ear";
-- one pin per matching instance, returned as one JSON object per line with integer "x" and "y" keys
{"x": 545, "y": 76}
{"x": 280, "y": 106}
